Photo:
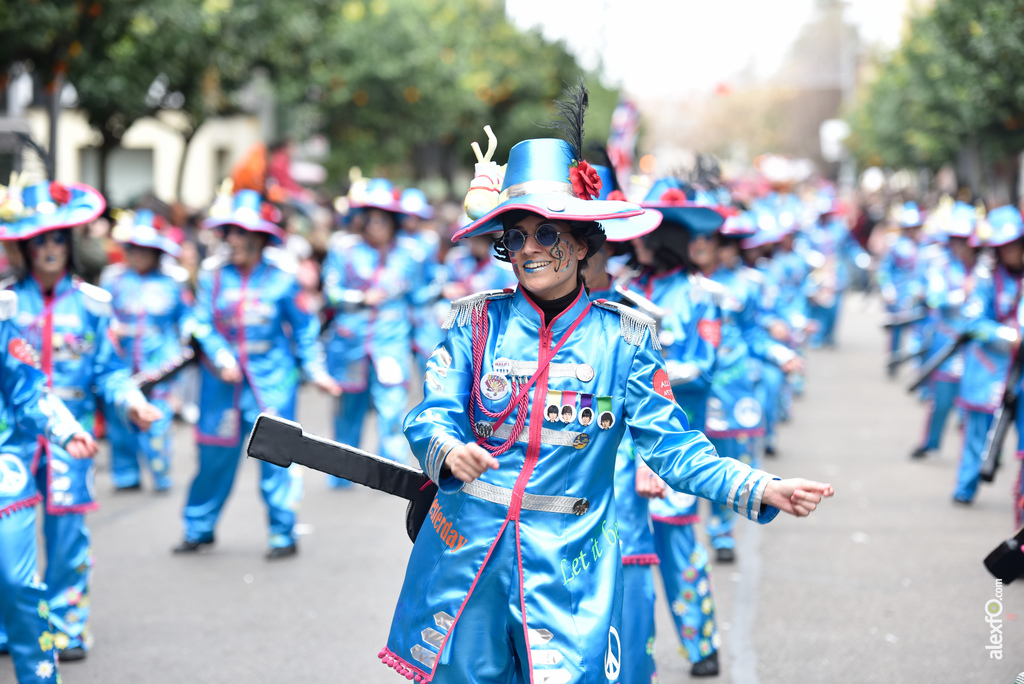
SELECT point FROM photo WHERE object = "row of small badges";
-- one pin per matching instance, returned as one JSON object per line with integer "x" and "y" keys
{"x": 560, "y": 405}
{"x": 561, "y": 408}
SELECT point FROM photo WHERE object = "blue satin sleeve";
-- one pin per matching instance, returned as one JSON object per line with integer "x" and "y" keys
{"x": 684, "y": 458}
{"x": 201, "y": 325}
{"x": 980, "y": 315}
{"x": 305, "y": 333}
{"x": 441, "y": 421}
{"x": 37, "y": 412}
{"x": 110, "y": 373}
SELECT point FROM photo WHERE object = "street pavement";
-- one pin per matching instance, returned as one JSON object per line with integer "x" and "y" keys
{"x": 884, "y": 583}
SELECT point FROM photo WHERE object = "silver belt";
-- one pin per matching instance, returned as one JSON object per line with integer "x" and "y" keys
{"x": 68, "y": 393}
{"x": 547, "y": 435}
{"x": 530, "y": 502}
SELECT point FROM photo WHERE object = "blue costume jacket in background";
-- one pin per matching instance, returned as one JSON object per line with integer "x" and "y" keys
{"x": 149, "y": 318}
{"x": 70, "y": 330}
{"x": 28, "y": 414}
{"x": 989, "y": 316}
{"x": 548, "y": 511}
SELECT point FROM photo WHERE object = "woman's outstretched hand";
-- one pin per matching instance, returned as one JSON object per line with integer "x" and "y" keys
{"x": 796, "y": 496}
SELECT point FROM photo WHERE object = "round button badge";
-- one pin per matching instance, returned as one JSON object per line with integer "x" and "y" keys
{"x": 584, "y": 372}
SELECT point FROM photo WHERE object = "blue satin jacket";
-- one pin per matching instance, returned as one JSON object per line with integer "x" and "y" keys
{"x": 149, "y": 315}
{"x": 790, "y": 271}
{"x": 70, "y": 330}
{"x": 554, "y": 489}
{"x": 241, "y": 318}
{"x": 733, "y": 409}
{"x": 29, "y": 414}
{"x": 898, "y": 276}
{"x": 991, "y": 318}
{"x": 360, "y": 335}
{"x": 946, "y": 288}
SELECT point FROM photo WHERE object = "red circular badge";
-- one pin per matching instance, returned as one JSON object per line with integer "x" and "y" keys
{"x": 661, "y": 384}
{"x": 23, "y": 351}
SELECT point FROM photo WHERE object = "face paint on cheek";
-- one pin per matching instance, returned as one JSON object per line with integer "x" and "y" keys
{"x": 562, "y": 252}
{"x": 515, "y": 268}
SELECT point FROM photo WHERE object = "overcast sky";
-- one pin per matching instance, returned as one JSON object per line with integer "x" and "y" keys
{"x": 667, "y": 48}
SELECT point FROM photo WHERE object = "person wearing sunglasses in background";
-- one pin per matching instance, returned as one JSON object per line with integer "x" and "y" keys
{"x": 67, "y": 323}
{"x": 256, "y": 340}
{"x": 149, "y": 316}
{"x": 529, "y": 549}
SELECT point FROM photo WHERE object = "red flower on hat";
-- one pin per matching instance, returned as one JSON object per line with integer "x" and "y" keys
{"x": 59, "y": 194}
{"x": 673, "y": 195}
{"x": 617, "y": 195}
{"x": 585, "y": 181}
{"x": 268, "y": 212}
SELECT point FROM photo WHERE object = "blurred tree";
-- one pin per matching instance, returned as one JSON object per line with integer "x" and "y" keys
{"x": 952, "y": 92}
{"x": 403, "y": 86}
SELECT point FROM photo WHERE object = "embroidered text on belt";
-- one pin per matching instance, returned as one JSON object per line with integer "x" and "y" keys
{"x": 531, "y": 502}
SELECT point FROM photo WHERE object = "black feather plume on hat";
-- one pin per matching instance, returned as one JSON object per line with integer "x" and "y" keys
{"x": 571, "y": 110}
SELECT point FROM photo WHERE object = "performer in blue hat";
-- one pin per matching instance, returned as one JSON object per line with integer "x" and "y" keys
{"x": 425, "y": 309}
{"x": 946, "y": 289}
{"x": 521, "y": 547}
{"x": 149, "y": 314}
{"x": 369, "y": 277}
{"x": 690, "y": 333}
{"x": 902, "y": 291}
{"x": 28, "y": 413}
{"x": 67, "y": 323}
{"x": 991, "y": 319}
{"x": 833, "y": 250}
{"x": 256, "y": 339}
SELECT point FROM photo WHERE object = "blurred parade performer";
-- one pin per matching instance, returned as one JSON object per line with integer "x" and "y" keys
{"x": 67, "y": 323}
{"x": 947, "y": 285}
{"x": 901, "y": 289}
{"x": 245, "y": 304}
{"x": 991, "y": 319}
{"x": 690, "y": 333}
{"x": 493, "y": 596}
{"x": 790, "y": 270}
{"x": 368, "y": 279}
{"x": 29, "y": 414}
{"x": 636, "y": 542}
{"x": 773, "y": 391}
{"x": 149, "y": 312}
{"x": 425, "y": 295}
{"x": 735, "y": 418}
{"x": 832, "y": 249}
{"x": 470, "y": 267}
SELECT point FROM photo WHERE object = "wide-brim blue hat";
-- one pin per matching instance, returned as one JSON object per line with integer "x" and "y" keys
{"x": 767, "y": 227}
{"x": 414, "y": 203}
{"x": 694, "y": 210}
{"x": 624, "y": 229}
{"x": 379, "y": 193}
{"x": 141, "y": 230}
{"x": 963, "y": 220}
{"x": 36, "y": 211}
{"x": 910, "y": 216}
{"x": 1002, "y": 226}
{"x": 248, "y": 211}
{"x": 537, "y": 179}
{"x": 742, "y": 225}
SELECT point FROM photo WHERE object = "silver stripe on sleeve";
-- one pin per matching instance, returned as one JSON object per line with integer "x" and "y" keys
{"x": 745, "y": 491}
{"x": 732, "y": 495}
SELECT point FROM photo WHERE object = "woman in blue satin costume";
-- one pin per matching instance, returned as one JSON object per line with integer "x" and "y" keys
{"x": 691, "y": 331}
{"x": 28, "y": 414}
{"x": 67, "y": 322}
{"x": 897, "y": 274}
{"x": 947, "y": 283}
{"x": 369, "y": 277}
{"x": 149, "y": 314}
{"x": 517, "y": 571}
{"x": 990, "y": 317}
{"x": 257, "y": 341}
